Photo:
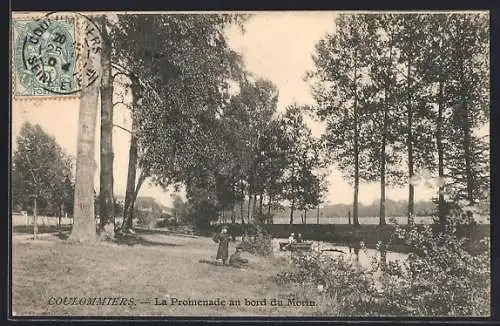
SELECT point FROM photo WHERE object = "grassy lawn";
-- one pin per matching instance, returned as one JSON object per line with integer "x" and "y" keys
{"x": 158, "y": 266}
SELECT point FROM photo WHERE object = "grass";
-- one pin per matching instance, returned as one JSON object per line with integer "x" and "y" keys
{"x": 28, "y": 229}
{"x": 152, "y": 266}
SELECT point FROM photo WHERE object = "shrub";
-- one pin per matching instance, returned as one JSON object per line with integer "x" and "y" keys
{"x": 260, "y": 242}
{"x": 439, "y": 277}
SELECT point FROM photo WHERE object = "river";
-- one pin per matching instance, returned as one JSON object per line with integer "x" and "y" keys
{"x": 364, "y": 258}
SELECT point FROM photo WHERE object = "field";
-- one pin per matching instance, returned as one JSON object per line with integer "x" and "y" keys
{"x": 158, "y": 266}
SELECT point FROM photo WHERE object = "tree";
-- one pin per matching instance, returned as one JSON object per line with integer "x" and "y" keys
{"x": 301, "y": 187}
{"x": 469, "y": 39}
{"x": 42, "y": 170}
{"x": 132, "y": 189}
{"x": 311, "y": 180}
{"x": 402, "y": 89}
{"x": 274, "y": 147}
{"x": 410, "y": 39}
{"x": 381, "y": 104}
{"x": 182, "y": 77}
{"x": 455, "y": 68}
{"x": 247, "y": 118}
{"x": 84, "y": 228}
{"x": 106, "y": 196}
{"x": 339, "y": 90}
{"x": 179, "y": 209}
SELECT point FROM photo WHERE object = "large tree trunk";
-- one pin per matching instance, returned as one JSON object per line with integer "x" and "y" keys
{"x": 106, "y": 207}
{"x": 132, "y": 190}
{"x": 292, "y": 207}
{"x": 356, "y": 146}
{"x": 411, "y": 189}
{"x": 383, "y": 146}
{"x": 305, "y": 216}
{"x": 131, "y": 176}
{"x": 84, "y": 228}
{"x": 382, "y": 164}
{"x": 128, "y": 221}
{"x": 440, "y": 150}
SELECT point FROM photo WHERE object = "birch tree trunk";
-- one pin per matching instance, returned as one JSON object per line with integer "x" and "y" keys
{"x": 440, "y": 150}
{"x": 411, "y": 189}
{"x": 356, "y": 147}
{"x": 383, "y": 163}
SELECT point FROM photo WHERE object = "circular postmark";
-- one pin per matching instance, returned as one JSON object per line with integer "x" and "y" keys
{"x": 57, "y": 54}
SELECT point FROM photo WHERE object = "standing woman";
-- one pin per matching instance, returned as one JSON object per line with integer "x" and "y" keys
{"x": 223, "y": 251}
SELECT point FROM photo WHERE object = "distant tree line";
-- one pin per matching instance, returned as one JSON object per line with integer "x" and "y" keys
{"x": 393, "y": 209}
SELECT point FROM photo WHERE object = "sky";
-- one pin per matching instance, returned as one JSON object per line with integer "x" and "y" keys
{"x": 277, "y": 46}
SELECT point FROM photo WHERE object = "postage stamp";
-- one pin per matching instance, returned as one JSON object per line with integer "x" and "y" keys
{"x": 47, "y": 54}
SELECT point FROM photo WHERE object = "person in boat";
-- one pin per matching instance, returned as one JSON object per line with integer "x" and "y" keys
{"x": 236, "y": 260}
{"x": 299, "y": 238}
{"x": 291, "y": 241}
{"x": 222, "y": 239}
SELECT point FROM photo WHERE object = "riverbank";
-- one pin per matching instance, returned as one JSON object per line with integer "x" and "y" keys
{"x": 350, "y": 235}
{"x": 148, "y": 274}
{"x": 335, "y": 234}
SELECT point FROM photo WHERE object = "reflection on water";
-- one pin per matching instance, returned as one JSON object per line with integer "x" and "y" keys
{"x": 365, "y": 256}
{"x": 364, "y": 259}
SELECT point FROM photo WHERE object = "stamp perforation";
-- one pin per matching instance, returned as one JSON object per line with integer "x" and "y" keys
{"x": 14, "y": 75}
{"x": 78, "y": 26}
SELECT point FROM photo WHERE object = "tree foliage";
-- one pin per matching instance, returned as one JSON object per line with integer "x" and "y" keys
{"x": 41, "y": 169}
{"x": 402, "y": 94}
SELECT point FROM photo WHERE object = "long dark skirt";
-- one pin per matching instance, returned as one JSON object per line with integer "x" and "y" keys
{"x": 223, "y": 250}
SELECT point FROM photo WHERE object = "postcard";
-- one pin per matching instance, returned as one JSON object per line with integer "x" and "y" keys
{"x": 250, "y": 163}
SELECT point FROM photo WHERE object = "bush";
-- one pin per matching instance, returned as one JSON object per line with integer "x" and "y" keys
{"x": 260, "y": 242}
{"x": 440, "y": 277}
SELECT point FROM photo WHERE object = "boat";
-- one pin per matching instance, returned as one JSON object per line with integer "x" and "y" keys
{"x": 298, "y": 246}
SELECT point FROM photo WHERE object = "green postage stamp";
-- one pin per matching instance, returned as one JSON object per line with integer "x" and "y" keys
{"x": 46, "y": 55}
